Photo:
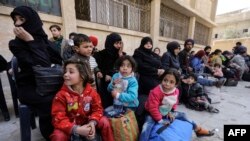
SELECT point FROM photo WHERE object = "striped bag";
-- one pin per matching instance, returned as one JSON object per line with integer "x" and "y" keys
{"x": 125, "y": 128}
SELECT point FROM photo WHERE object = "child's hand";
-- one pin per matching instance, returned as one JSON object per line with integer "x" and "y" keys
{"x": 107, "y": 78}
{"x": 170, "y": 117}
{"x": 117, "y": 81}
{"x": 83, "y": 130}
{"x": 99, "y": 75}
{"x": 92, "y": 130}
{"x": 114, "y": 93}
{"x": 164, "y": 122}
{"x": 190, "y": 69}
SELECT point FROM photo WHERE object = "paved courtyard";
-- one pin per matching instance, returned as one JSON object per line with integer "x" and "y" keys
{"x": 233, "y": 103}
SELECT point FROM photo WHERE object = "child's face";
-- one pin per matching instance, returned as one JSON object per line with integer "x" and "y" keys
{"x": 148, "y": 45}
{"x": 72, "y": 76}
{"x": 55, "y": 33}
{"x": 190, "y": 80}
{"x": 126, "y": 68}
{"x": 168, "y": 82}
{"x": 85, "y": 49}
{"x": 217, "y": 68}
{"x": 157, "y": 51}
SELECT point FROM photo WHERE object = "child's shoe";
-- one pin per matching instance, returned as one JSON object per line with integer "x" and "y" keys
{"x": 201, "y": 132}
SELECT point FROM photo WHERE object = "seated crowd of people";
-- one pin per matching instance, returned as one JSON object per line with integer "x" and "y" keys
{"x": 97, "y": 82}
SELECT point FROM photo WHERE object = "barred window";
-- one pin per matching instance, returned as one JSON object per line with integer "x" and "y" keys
{"x": 173, "y": 24}
{"x": 47, "y": 6}
{"x": 130, "y": 14}
{"x": 201, "y": 33}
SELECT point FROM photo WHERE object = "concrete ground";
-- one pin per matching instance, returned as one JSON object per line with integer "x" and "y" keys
{"x": 234, "y": 108}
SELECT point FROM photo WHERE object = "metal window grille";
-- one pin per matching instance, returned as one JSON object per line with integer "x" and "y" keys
{"x": 46, "y": 6}
{"x": 173, "y": 24}
{"x": 130, "y": 14}
{"x": 201, "y": 33}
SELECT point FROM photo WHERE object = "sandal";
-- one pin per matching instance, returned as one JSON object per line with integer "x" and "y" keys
{"x": 213, "y": 110}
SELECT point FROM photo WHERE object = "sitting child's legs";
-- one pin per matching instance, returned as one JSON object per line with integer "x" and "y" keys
{"x": 146, "y": 128}
{"x": 105, "y": 128}
{"x": 59, "y": 135}
{"x": 182, "y": 116}
{"x": 198, "y": 130}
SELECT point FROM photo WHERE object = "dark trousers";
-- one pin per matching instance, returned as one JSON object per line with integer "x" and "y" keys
{"x": 107, "y": 99}
{"x": 41, "y": 105}
{"x": 3, "y": 105}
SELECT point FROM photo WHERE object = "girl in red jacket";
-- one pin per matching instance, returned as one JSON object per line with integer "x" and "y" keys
{"x": 77, "y": 110}
{"x": 162, "y": 104}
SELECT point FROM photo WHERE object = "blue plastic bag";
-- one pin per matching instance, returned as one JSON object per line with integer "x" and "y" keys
{"x": 176, "y": 131}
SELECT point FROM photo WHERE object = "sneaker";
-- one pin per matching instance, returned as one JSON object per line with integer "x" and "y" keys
{"x": 201, "y": 132}
{"x": 6, "y": 116}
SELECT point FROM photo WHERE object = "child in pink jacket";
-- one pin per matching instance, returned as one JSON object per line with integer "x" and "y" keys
{"x": 162, "y": 103}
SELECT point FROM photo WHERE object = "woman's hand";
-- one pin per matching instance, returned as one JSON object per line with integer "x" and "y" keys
{"x": 160, "y": 72}
{"x": 99, "y": 75}
{"x": 120, "y": 52}
{"x": 107, "y": 78}
{"x": 23, "y": 34}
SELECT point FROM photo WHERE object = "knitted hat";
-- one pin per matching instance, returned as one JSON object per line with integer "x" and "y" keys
{"x": 94, "y": 40}
{"x": 242, "y": 49}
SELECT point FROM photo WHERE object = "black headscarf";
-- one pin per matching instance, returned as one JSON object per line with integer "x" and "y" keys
{"x": 171, "y": 46}
{"x": 33, "y": 23}
{"x": 109, "y": 43}
{"x": 144, "y": 41}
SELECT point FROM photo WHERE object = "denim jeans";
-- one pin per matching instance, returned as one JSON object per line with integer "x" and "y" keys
{"x": 146, "y": 128}
{"x": 205, "y": 82}
{"x": 182, "y": 116}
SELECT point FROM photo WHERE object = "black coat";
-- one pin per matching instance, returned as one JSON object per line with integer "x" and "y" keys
{"x": 148, "y": 64}
{"x": 31, "y": 53}
{"x": 170, "y": 61}
{"x": 3, "y": 63}
{"x": 184, "y": 58}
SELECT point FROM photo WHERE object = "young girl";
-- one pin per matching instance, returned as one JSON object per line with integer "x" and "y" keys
{"x": 162, "y": 103}
{"x": 77, "y": 108}
{"x": 124, "y": 86}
